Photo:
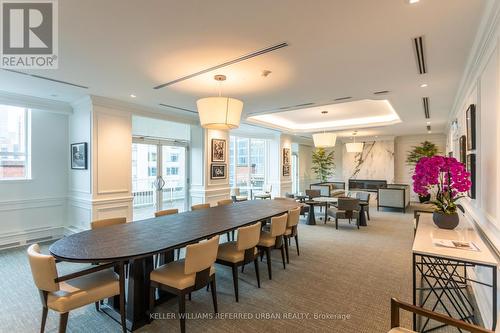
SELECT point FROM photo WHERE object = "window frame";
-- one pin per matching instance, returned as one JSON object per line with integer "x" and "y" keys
{"x": 27, "y": 140}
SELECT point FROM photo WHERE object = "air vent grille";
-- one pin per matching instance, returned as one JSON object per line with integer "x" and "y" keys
{"x": 425, "y": 101}
{"x": 381, "y": 92}
{"x": 176, "y": 108}
{"x": 418, "y": 47}
{"x": 295, "y": 106}
{"x": 227, "y": 63}
{"x": 342, "y": 98}
{"x": 48, "y": 79}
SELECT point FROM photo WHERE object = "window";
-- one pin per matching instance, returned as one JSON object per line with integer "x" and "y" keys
{"x": 172, "y": 171}
{"x": 152, "y": 171}
{"x": 247, "y": 163}
{"x": 174, "y": 157}
{"x": 14, "y": 143}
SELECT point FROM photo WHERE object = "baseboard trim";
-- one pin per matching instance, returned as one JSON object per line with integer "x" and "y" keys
{"x": 31, "y": 236}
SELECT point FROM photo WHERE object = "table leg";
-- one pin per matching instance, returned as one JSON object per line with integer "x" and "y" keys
{"x": 494, "y": 290}
{"x": 326, "y": 212}
{"x": 414, "y": 291}
{"x": 362, "y": 216}
{"x": 311, "y": 219}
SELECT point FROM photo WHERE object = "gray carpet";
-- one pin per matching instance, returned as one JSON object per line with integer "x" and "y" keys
{"x": 341, "y": 282}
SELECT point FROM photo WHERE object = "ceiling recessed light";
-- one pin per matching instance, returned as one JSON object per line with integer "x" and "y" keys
{"x": 133, "y": 96}
{"x": 428, "y": 123}
{"x": 412, "y": 2}
{"x": 423, "y": 85}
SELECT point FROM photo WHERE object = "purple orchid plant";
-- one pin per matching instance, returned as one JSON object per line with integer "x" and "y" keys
{"x": 443, "y": 176}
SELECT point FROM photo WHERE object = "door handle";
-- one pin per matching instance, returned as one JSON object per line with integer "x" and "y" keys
{"x": 161, "y": 183}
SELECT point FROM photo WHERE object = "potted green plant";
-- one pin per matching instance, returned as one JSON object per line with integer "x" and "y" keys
{"x": 323, "y": 164}
{"x": 425, "y": 149}
{"x": 449, "y": 180}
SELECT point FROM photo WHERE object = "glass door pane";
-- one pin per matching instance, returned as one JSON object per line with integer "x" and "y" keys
{"x": 257, "y": 163}
{"x": 242, "y": 174}
{"x": 174, "y": 175}
{"x": 295, "y": 173}
{"x": 144, "y": 174}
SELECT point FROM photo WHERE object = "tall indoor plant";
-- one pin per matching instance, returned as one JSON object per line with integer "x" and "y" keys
{"x": 323, "y": 164}
{"x": 448, "y": 180}
{"x": 425, "y": 149}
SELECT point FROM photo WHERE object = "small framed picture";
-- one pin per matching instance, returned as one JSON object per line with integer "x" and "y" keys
{"x": 218, "y": 171}
{"x": 463, "y": 148}
{"x": 470, "y": 116}
{"x": 286, "y": 156}
{"x": 79, "y": 156}
{"x": 286, "y": 170}
{"x": 218, "y": 150}
{"x": 471, "y": 167}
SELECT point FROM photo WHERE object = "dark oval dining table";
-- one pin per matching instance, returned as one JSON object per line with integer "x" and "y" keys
{"x": 138, "y": 241}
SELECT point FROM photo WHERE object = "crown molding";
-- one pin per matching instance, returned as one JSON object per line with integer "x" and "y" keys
{"x": 36, "y": 103}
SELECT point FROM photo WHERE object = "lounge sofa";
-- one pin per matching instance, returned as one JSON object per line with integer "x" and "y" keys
{"x": 329, "y": 189}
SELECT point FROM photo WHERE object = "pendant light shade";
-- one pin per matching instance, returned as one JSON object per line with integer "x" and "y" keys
{"x": 219, "y": 112}
{"x": 354, "y": 147}
{"x": 324, "y": 140}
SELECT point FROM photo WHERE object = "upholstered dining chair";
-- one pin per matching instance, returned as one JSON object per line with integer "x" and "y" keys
{"x": 365, "y": 198}
{"x": 200, "y": 206}
{"x": 347, "y": 208}
{"x": 241, "y": 252}
{"x": 315, "y": 194}
{"x": 182, "y": 277}
{"x": 273, "y": 239}
{"x": 291, "y": 231}
{"x": 164, "y": 212}
{"x": 236, "y": 195}
{"x": 224, "y": 202}
{"x": 103, "y": 223}
{"x": 66, "y": 293}
{"x": 107, "y": 222}
{"x": 265, "y": 193}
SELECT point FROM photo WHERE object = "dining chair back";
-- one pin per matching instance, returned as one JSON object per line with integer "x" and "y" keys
{"x": 248, "y": 237}
{"x": 224, "y": 202}
{"x": 363, "y": 196}
{"x": 293, "y": 217}
{"x": 200, "y": 206}
{"x": 166, "y": 212}
{"x": 43, "y": 269}
{"x": 278, "y": 225}
{"x": 107, "y": 222}
{"x": 348, "y": 205}
{"x": 201, "y": 256}
{"x": 313, "y": 193}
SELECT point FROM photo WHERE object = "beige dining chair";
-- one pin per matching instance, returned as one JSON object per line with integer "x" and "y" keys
{"x": 224, "y": 202}
{"x": 166, "y": 212}
{"x": 241, "y": 252}
{"x": 107, "y": 222}
{"x": 182, "y": 277}
{"x": 273, "y": 239}
{"x": 66, "y": 293}
{"x": 291, "y": 231}
{"x": 200, "y": 206}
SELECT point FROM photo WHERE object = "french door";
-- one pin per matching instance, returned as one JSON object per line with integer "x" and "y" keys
{"x": 159, "y": 176}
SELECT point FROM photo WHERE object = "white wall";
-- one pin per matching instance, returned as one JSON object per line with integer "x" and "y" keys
{"x": 480, "y": 86}
{"x": 36, "y": 208}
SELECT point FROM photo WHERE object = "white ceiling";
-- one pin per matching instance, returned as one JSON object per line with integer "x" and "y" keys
{"x": 337, "y": 48}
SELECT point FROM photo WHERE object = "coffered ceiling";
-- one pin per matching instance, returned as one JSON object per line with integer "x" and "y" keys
{"x": 336, "y": 49}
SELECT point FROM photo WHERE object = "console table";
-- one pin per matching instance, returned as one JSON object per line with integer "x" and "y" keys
{"x": 443, "y": 271}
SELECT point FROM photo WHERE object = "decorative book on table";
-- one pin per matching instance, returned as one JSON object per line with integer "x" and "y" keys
{"x": 455, "y": 244}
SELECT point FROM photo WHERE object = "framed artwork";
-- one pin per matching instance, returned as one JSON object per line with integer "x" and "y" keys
{"x": 286, "y": 170}
{"x": 218, "y": 150}
{"x": 471, "y": 167}
{"x": 79, "y": 156}
{"x": 218, "y": 171}
{"x": 463, "y": 149}
{"x": 470, "y": 117}
{"x": 286, "y": 156}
